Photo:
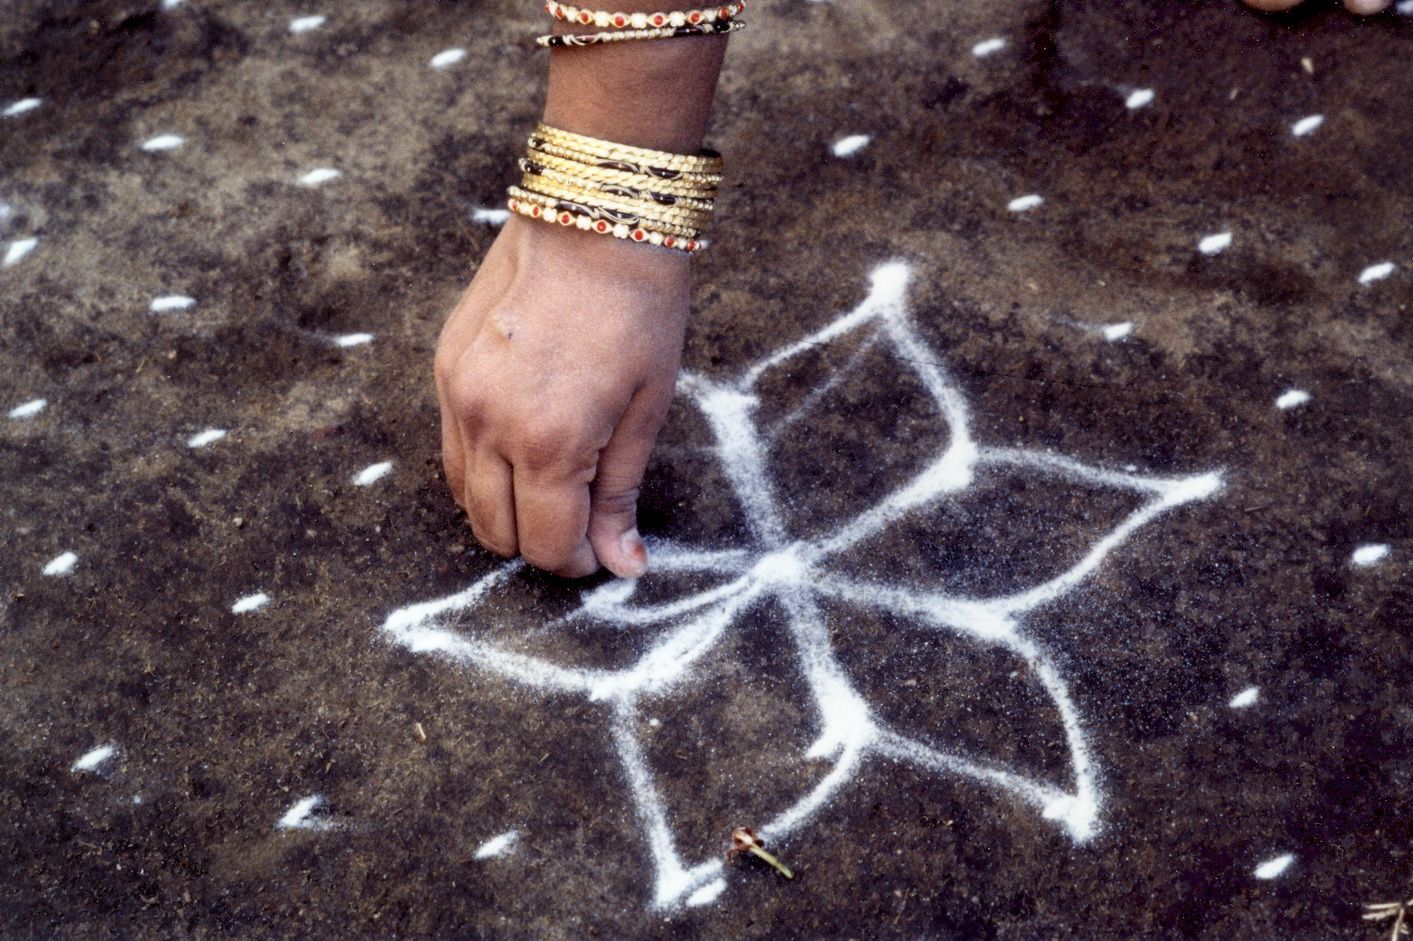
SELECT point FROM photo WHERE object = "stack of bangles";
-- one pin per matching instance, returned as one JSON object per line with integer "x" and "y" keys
{"x": 613, "y": 189}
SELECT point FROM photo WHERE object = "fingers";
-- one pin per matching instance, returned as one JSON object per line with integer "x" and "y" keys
{"x": 613, "y": 517}
{"x": 489, "y": 498}
{"x": 453, "y": 450}
{"x": 453, "y": 447}
{"x": 552, "y": 519}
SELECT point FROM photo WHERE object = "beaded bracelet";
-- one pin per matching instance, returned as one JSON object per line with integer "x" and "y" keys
{"x": 556, "y": 208}
{"x": 592, "y": 173}
{"x": 718, "y": 28}
{"x": 604, "y": 19}
{"x": 691, "y": 223}
{"x": 617, "y": 190}
{"x": 705, "y": 162}
{"x": 603, "y": 226}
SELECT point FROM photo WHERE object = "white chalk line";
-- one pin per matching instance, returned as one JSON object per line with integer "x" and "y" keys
{"x": 799, "y": 573}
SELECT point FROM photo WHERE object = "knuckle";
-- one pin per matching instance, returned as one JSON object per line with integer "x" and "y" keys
{"x": 548, "y": 443}
{"x": 468, "y": 397}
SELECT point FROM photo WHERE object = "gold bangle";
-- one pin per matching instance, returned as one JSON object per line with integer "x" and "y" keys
{"x": 707, "y": 161}
{"x": 621, "y": 178}
{"x": 617, "y": 190}
{"x": 644, "y": 208}
{"x": 539, "y": 145}
{"x": 698, "y": 182}
{"x": 560, "y": 204}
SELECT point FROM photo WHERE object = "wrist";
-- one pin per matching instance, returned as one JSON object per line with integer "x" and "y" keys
{"x": 555, "y": 246}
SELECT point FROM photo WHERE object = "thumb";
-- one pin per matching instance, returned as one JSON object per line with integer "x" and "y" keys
{"x": 613, "y": 496}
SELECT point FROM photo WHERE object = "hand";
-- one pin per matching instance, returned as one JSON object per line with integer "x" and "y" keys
{"x": 554, "y": 374}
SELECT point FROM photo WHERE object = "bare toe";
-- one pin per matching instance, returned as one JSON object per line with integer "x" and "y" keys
{"x": 1273, "y": 6}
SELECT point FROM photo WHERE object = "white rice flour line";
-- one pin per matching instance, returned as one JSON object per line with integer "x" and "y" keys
{"x": 798, "y": 575}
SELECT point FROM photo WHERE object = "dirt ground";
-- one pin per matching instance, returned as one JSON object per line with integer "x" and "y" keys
{"x": 1201, "y": 729}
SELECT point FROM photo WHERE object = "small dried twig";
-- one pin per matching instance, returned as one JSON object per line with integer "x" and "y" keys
{"x": 420, "y": 732}
{"x": 744, "y": 840}
{"x": 1398, "y": 911}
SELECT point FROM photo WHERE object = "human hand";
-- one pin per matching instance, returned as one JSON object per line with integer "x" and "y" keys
{"x": 554, "y": 373}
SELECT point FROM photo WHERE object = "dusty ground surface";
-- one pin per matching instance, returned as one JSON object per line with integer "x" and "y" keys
{"x": 222, "y": 721}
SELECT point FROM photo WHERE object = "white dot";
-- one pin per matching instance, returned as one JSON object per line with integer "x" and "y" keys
{"x": 18, "y": 249}
{"x": 170, "y": 302}
{"x": 1215, "y": 244}
{"x": 303, "y": 24}
{"x": 1369, "y": 554}
{"x": 372, "y": 473}
{"x": 1247, "y": 697}
{"x": 61, "y": 564}
{"x": 848, "y": 146}
{"x": 171, "y": 4}
{"x": 1139, "y": 99}
{"x": 250, "y": 603}
{"x": 447, "y": 57}
{"x": 497, "y": 845}
{"x": 90, "y": 760}
{"x": 29, "y": 409}
{"x": 321, "y": 175}
{"x": 1117, "y": 331}
{"x": 1376, "y": 272}
{"x": 1022, "y": 203}
{"x": 203, "y": 438}
{"x": 1274, "y": 867}
{"x": 162, "y": 142}
{"x": 987, "y": 46}
{"x": 20, "y": 107}
{"x": 490, "y": 216}
{"x": 300, "y": 816}
{"x": 353, "y": 339}
{"x": 1307, "y": 125}
{"x": 1291, "y": 398}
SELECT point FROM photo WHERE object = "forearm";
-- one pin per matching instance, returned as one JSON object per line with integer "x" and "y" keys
{"x": 653, "y": 93}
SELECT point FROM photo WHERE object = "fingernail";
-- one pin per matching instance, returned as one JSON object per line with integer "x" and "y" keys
{"x": 635, "y": 552}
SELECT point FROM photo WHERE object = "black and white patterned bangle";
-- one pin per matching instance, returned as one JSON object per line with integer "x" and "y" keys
{"x": 668, "y": 32}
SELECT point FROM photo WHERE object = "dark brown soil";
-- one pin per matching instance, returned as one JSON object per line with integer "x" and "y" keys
{"x": 222, "y": 721}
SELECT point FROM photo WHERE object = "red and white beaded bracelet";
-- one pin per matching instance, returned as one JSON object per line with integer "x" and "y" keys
{"x": 605, "y": 20}
{"x": 594, "y": 222}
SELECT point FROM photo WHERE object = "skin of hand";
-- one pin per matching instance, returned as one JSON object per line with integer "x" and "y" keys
{"x": 1362, "y": 7}
{"x": 555, "y": 370}
{"x": 554, "y": 374}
